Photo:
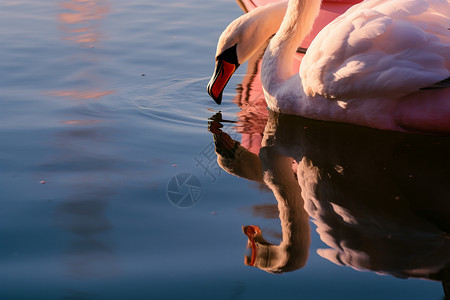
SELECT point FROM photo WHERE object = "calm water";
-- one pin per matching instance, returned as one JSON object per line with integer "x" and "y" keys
{"x": 104, "y": 115}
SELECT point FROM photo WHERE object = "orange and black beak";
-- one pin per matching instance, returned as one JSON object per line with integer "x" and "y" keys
{"x": 252, "y": 232}
{"x": 226, "y": 65}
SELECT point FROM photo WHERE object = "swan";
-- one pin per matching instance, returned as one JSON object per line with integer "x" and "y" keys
{"x": 268, "y": 168}
{"x": 383, "y": 63}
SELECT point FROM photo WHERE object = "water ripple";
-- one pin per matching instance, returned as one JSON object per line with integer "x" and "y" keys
{"x": 178, "y": 102}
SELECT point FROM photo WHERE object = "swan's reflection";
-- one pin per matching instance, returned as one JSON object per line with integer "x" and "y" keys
{"x": 380, "y": 200}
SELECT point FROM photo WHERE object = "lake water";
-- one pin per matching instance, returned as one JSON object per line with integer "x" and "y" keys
{"x": 110, "y": 187}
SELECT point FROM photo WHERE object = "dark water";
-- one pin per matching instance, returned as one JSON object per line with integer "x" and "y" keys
{"x": 104, "y": 115}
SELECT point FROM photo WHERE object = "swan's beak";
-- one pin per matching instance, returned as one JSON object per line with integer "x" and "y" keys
{"x": 222, "y": 74}
{"x": 252, "y": 232}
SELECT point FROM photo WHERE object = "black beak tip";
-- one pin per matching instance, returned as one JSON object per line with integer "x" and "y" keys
{"x": 217, "y": 99}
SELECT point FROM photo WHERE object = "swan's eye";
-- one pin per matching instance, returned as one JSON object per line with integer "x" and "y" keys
{"x": 229, "y": 55}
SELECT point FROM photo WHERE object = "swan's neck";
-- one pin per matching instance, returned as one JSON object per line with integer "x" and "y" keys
{"x": 292, "y": 253}
{"x": 294, "y": 219}
{"x": 279, "y": 56}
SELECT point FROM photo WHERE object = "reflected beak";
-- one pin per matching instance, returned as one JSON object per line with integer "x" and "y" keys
{"x": 222, "y": 74}
{"x": 251, "y": 232}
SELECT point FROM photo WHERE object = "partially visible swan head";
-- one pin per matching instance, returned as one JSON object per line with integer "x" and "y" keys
{"x": 226, "y": 64}
{"x": 271, "y": 258}
{"x": 240, "y": 40}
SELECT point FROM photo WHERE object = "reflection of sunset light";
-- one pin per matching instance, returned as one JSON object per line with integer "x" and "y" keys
{"x": 79, "y": 20}
{"x": 85, "y": 13}
{"x": 81, "y": 122}
{"x": 80, "y": 95}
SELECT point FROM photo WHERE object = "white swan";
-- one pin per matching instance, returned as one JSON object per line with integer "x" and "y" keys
{"x": 372, "y": 66}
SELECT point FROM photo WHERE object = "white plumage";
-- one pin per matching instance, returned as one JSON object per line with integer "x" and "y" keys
{"x": 380, "y": 48}
{"x": 367, "y": 67}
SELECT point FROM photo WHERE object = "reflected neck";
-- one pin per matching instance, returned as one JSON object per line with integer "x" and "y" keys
{"x": 297, "y": 23}
{"x": 292, "y": 253}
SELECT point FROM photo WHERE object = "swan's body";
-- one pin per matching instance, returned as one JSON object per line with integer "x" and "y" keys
{"x": 368, "y": 67}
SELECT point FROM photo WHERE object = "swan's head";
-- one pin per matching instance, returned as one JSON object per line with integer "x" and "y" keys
{"x": 259, "y": 247}
{"x": 234, "y": 48}
{"x": 226, "y": 64}
{"x": 240, "y": 40}
{"x": 271, "y": 258}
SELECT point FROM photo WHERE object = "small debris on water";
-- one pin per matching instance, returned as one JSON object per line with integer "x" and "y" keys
{"x": 142, "y": 74}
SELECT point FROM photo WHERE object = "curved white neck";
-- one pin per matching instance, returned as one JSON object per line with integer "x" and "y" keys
{"x": 279, "y": 56}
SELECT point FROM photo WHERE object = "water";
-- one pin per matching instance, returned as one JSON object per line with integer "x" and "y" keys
{"x": 104, "y": 105}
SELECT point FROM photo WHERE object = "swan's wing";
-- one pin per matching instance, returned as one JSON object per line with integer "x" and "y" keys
{"x": 380, "y": 48}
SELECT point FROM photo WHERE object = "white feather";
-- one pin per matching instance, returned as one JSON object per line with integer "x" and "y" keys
{"x": 380, "y": 49}
{"x": 374, "y": 59}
